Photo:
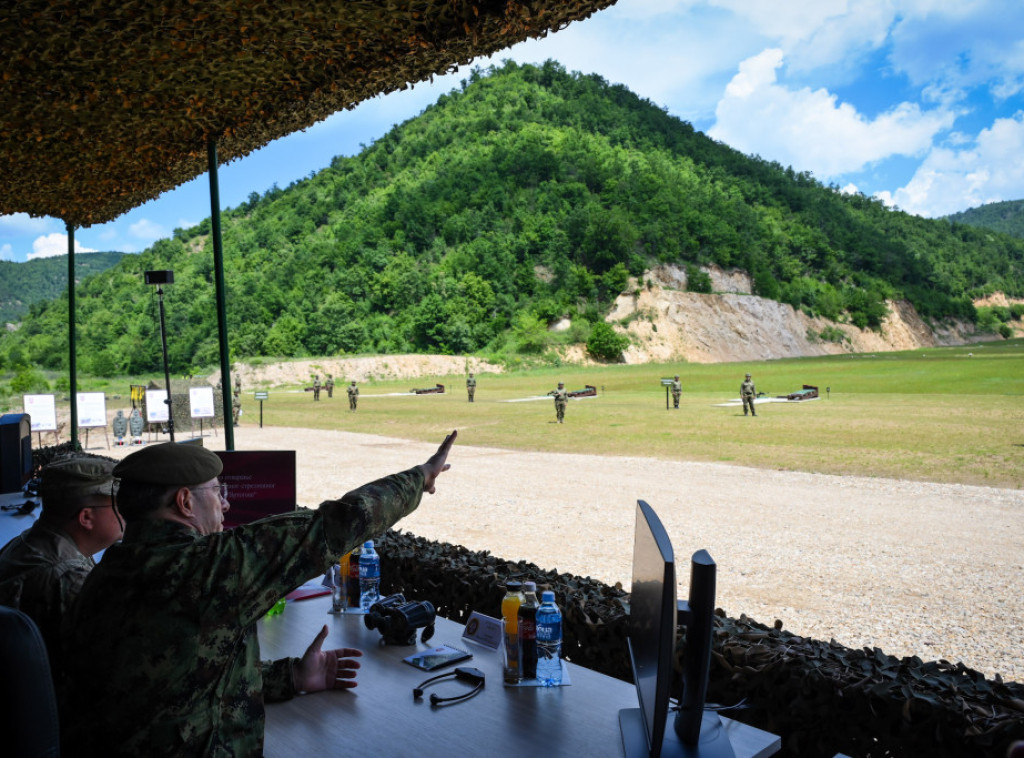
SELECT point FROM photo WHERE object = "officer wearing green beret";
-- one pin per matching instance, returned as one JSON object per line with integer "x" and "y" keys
{"x": 166, "y": 655}
{"x": 42, "y": 569}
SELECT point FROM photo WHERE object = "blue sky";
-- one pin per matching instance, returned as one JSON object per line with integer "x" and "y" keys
{"x": 917, "y": 102}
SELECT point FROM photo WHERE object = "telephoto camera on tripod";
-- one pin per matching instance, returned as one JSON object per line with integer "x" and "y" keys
{"x": 398, "y": 620}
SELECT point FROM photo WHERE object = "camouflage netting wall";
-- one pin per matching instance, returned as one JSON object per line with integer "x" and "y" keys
{"x": 821, "y": 697}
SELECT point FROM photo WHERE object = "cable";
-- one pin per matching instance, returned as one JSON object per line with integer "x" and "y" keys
{"x": 463, "y": 674}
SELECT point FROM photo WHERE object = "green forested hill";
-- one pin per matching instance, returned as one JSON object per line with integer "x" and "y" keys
{"x": 22, "y": 284}
{"x": 527, "y": 195}
{"x": 1006, "y": 217}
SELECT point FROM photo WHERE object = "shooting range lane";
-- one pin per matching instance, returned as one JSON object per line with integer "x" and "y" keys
{"x": 915, "y": 568}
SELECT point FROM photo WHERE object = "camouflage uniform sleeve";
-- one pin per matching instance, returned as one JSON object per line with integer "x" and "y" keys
{"x": 278, "y": 679}
{"x": 253, "y": 566}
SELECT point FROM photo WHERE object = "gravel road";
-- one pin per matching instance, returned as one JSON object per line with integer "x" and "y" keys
{"x": 913, "y": 568}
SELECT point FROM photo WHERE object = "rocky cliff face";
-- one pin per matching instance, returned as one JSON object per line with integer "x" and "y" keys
{"x": 667, "y": 323}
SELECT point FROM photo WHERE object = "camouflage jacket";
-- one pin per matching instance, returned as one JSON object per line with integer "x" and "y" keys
{"x": 677, "y": 388}
{"x": 41, "y": 573}
{"x": 561, "y": 396}
{"x": 471, "y": 383}
{"x": 353, "y": 390}
{"x": 747, "y": 389}
{"x": 166, "y": 650}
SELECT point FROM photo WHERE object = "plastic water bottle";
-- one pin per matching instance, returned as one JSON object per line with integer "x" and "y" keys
{"x": 549, "y": 641}
{"x": 369, "y": 576}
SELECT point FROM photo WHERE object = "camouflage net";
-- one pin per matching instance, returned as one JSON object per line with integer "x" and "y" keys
{"x": 821, "y": 697}
{"x": 106, "y": 105}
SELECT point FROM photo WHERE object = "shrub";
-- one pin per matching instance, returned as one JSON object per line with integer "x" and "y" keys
{"x": 605, "y": 343}
{"x": 697, "y": 280}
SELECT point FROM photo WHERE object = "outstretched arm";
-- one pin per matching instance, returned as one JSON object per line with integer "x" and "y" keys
{"x": 436, "y": 465}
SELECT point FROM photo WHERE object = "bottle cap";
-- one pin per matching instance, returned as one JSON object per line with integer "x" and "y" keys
{"x": 547, "y": 596}
{"x": 530, "y": 586}
{"x": 513, "y": 586}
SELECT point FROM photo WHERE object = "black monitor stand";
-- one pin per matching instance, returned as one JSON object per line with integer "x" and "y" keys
{"x": 714, "y": 740}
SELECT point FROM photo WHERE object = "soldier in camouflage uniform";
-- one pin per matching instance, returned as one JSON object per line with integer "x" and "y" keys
{"x": 329, "y": 386}
{"x": 747, "y": 394}
{"x": 43, "y": 568}
{"x": 316, "y": 387}
{"x": 164, "y": 635}
{"x": 677, "y": 390}
{"x": 353, "y": 396}
{"x": 561, "y": 400}
{"x": 471, "y": 386}
{"x": 236, "y": 405}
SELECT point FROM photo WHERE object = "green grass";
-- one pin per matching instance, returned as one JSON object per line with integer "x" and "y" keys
{"x": 936, "y": 414}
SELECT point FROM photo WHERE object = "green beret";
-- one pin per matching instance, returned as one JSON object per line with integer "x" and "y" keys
{"x": 170, "y": 463}
{"x": 70, "y": 480}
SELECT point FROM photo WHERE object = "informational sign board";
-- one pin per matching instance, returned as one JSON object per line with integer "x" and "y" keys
{"x": 260, "y": 483}
{"x": 200, "y": 400}
{"x": 92, "y": 410}
{"x": 156, "y": 406}
{"x": 261, "y": 395}
{"x": 43, "y": 411}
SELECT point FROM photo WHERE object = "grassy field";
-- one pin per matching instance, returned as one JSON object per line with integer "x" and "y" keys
{"x": 945, "y": 415}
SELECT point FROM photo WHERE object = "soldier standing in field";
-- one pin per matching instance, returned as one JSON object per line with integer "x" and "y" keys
{"x": 561, "y": 400}
{"x": 329, "y": 386}
{"x": 747, "y": 394}
{"x": 677, "y": 390}
{"x": 471, "y": 386}
{"x": 353, "y": 396}
{"x": 236, "y": 405}
{"x": 316, "y": 387}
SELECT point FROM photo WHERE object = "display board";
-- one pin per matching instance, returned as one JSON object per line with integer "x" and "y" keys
{"x": 92, "y": 410}
{"x": 43, "y": 411}
{"x": 260, "y": 483}
{"x": 200, "y": 401}
{"x": 157, "y": 410}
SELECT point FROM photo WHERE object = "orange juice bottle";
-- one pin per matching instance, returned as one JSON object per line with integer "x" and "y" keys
{"x": 510, "y": 618}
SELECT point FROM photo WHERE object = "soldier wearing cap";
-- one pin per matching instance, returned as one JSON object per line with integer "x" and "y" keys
{"x": 747, "y": 394}
{"x": 561, "y": 400}
{"x": 471, "y": 386}
{"x": 353, "y": 396}
{"x": 43, "y": 568}
{"x": 677, "y": 391}
{"x": 166, "y": 654}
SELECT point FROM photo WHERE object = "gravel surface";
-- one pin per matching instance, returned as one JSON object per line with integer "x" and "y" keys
{"x": 913, "y": 568}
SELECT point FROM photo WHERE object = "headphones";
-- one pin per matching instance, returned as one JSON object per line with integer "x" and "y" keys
{"x": 463, "y": 674}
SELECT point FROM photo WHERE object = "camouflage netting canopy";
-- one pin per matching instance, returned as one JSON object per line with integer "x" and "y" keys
{"x": 105, "y": 105}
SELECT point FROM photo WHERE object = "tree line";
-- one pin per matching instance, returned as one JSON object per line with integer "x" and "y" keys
{"x": 525, "y": 196}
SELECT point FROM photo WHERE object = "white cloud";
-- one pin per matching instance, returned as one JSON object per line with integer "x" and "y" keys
{"x": 809, "y": 129}
{"x": 22, "y": 223}
{"x": 147, "y": 230}
{"x": 951, "y": 179}
{"x": 54, "y": 244}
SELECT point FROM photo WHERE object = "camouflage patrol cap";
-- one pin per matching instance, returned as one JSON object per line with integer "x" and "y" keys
{"x": 170, "y": 463}
{"x": 66, "y": 482}
{"x": 748, "y": 376}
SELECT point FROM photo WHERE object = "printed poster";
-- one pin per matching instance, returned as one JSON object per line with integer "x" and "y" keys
{"x": 156, "y": 406}
{"x": 42, "y": 410}
{"x": 200, "y": 400}
{"x": 92, "y": 410}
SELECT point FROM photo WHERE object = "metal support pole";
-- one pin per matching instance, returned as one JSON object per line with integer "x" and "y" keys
{"x": 167, "y": 372}
{"x": 222, "y": 318}
{"x": 72, "y": 363}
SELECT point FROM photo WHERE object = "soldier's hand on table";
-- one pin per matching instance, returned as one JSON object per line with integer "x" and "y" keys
{"x": 326, "y": 669}
{"x": 436, "y": 465}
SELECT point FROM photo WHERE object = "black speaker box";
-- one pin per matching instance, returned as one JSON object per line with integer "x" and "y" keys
{"x": 15, "y": 451}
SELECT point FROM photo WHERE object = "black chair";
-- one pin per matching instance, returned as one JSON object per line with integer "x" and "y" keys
{"x": 28, "y": 720}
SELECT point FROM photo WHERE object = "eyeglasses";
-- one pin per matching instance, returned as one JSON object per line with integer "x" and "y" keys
{"x": 223, "y": 490}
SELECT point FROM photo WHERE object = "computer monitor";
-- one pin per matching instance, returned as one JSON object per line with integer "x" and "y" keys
{"x": 654, "y": 611}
